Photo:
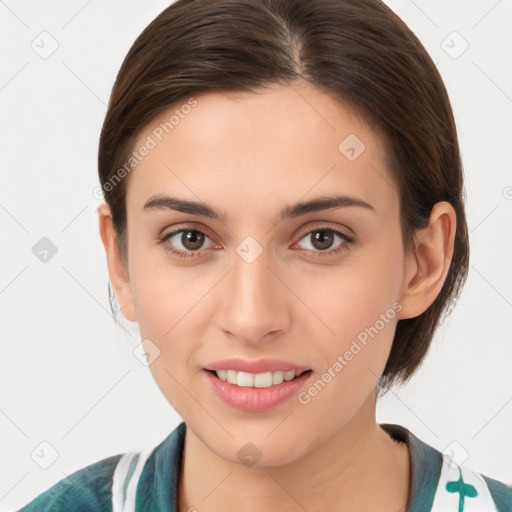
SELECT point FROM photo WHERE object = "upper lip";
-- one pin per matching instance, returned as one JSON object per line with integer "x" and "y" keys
{"x": 259, "y": 366}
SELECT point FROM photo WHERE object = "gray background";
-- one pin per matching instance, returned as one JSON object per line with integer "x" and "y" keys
{"x": 69, "y": 376}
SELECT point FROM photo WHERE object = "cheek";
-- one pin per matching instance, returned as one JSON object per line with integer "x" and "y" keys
{"x": 356, "y": 292}
{"x": 360, "y": 307}
{"x": 356, "y": 306}
{"x": 170, "y": 302}
{"x": 162, "y": 291}
{"x": 167, "y": 303}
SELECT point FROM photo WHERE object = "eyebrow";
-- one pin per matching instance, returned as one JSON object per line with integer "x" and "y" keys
{"x": 159, "y": 202}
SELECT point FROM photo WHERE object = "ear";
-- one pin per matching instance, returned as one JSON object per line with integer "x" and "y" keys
{"x": 427, "y": 266}
{"x": 116, "y": 269}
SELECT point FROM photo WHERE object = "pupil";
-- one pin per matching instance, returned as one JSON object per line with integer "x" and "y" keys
{"x": 324, "y": 241}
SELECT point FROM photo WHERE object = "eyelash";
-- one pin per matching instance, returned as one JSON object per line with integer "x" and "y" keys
{"x": 190, "y": 254}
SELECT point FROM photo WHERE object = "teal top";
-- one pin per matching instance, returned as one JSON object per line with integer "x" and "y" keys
{"x": 148, "y": 482}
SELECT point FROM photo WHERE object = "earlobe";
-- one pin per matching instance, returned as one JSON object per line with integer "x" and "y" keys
{"x": 116, "y": 268}
{"x": 426, "y": 269}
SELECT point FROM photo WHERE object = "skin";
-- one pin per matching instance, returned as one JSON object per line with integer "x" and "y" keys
{"x": 249, "y": 155}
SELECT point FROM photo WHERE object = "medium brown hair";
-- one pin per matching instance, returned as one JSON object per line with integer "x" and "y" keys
{"x": 355, "y": 50}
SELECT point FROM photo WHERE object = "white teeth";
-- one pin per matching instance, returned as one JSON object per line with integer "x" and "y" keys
{"x": 221, "y": 374}
{"x": 245, "y": 379}
{"x": 277, "y": 377}
{"x": 258, "y": 380}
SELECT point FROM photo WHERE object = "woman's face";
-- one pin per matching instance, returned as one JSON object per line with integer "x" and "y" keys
{"x": 254, "y": 284}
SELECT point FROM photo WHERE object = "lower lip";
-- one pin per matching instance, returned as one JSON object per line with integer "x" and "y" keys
{"x": 255, "y": 399}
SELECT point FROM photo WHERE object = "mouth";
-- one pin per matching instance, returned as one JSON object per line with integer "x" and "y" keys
{"x": 256, "y": 380}
{"x": 255, "y": 393}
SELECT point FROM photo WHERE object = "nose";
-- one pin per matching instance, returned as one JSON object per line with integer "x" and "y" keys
{"x": 254, "y": 304}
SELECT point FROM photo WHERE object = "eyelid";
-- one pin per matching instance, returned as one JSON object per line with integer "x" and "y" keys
{"x": 325, "y": 225}
{"x": 191, "y": 226}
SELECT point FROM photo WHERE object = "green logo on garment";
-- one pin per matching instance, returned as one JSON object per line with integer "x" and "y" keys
{"x": 464, "y": 490}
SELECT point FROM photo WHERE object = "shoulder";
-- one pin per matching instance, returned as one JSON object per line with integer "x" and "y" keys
{"x": 460, "y": 482}
{"x": 147, "y": 477}
{"x": 500, "y": 491}
{"x": 86, "y": 490}
{"x": 464, "y": 484}
{"x": 443, "y": 481}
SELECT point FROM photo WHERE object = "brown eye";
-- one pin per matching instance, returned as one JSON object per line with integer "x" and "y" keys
{"x": 322, "y": 239}
{"x": 192, "y": 240}
{"x": 185, "y": 242}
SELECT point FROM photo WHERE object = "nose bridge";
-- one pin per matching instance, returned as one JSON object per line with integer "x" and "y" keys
{"x": 252, "y": 307}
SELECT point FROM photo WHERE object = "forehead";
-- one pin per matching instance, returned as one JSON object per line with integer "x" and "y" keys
{"x": 271, "y": 147}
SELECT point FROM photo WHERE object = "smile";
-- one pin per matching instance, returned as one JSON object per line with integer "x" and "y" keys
{"x": 256, "y": 392}
{"x": 256, "y": 380}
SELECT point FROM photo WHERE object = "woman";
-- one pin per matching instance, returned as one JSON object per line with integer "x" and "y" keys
{"x": 284, "y": 219}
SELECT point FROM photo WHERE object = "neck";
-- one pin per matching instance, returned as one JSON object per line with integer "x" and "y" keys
{"x": 359, "y": 468}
